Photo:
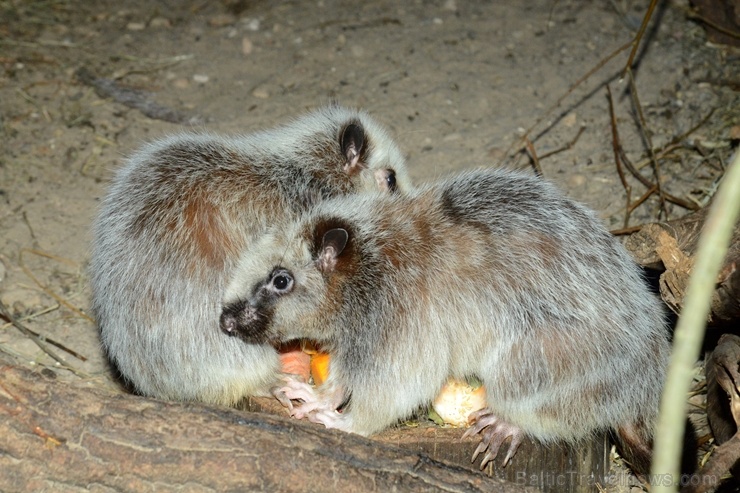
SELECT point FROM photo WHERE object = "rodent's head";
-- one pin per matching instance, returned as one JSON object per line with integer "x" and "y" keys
{"x": 303, "y": 287}
{"x": 370, "y": 157}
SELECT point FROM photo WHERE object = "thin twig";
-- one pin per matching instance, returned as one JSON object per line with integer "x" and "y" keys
{"x": 567, "y": 146}
{"x": 648, "y": 141}
{"x": 645, "y": 181}
{"x": 36, "y": 339}
{"x": 33, "y": 315}
{"x": 572, "y": 87}
{"x": 616, "y": 146}
{"x": 675, "y": 142}
{"x": 642, "y": 199}
{"x": 533, "y": 156}
{"x": 626, "y": 231}
{"x": 45, "y": 289}
{"x": 636, "y": 42}
{"x": 45, "y": 338}
{"x": 693, "y": 15}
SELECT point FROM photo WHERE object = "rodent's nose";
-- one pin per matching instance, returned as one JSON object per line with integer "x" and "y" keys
{"x": 227, "y": 322}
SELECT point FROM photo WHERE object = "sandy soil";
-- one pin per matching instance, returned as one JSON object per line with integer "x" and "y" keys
{"x": 457, "y": 82}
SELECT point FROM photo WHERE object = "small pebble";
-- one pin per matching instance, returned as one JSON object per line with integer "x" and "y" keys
{"x": 135, "y": 26}
{"x": 252, "y": 24}
{"x": 221, "y": 20}
{"x": 261, "y": 93}
{"x": 181, "y": 83}
{"x": 576, "y": 181}
{"x": 200, "y": 78}
{"x": 159, "y": 22}
{"x": 496, "y": 153}
{"x": 569, "y": 120}
{"x": 247, "y": 46}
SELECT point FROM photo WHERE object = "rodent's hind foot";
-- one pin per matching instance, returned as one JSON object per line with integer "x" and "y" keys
{"x": 494, "y": 431}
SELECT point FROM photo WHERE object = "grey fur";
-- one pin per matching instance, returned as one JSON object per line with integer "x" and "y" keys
{"x": 492, "y": 273}
{"x": 173, "y": 224}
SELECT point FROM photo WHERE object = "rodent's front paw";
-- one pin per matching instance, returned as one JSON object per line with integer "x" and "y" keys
{"x": 308, "y": 399}
{"x": 332, "y": 418}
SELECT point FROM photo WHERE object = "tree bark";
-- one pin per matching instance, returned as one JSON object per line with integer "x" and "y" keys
{"x": 72, "y": 436}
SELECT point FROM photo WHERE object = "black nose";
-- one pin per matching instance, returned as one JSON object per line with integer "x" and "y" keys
{"x": 228, "y": 323}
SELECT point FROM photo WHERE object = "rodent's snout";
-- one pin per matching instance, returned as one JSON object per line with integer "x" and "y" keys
{"x": 246, "y": 321}
{"x": 227, "y": 321}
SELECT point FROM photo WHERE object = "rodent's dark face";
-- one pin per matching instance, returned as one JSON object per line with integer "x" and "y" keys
{"x": 250, "y": 319}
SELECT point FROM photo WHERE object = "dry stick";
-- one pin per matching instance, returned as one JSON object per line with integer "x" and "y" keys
{"x": 648, "y": 141}
{"x": 35, "y": 338}
{"x": 693, "y": 15}
{"x": 533, "y": 155}
{"x": 626, "y": 231}
{"x": 615, "y": 148}
{"x": 711, "y": 251}
{"x": 572, "y": 87}
{"x": 670, "y": 198}
{"x": 675, "y": 141}
{"x": 642, "y": 199}
{"x": 634, "y": 43}
{"x": 45, "y": 338}
{"x": 567, "y": 146}
{"x": 45, "y": 289}
{"x": 640, "y": 33}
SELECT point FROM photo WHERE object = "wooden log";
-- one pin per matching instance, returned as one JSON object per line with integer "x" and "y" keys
{"x": 551, "y": 468}
{"x": 72, "y": 436}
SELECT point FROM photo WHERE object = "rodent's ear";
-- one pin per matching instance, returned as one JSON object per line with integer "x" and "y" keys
{"x": 332, "y": 246}
{"x": 352, "y": 142}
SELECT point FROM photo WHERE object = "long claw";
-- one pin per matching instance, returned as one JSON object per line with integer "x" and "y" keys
{"x": 282, "y": 398}
{"x": 494, "y": 433}
{"x": 516, "y": 440}
{"x": 482, "y": 446}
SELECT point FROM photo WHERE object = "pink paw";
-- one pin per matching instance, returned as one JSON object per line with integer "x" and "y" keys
{"x": 330, "y": 418}
{"x": 310, "y": 400}
{"x": 494, "y": 432}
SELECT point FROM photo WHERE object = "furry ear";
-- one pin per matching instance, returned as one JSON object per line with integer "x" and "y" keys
{"x": 352, "y": 141}
{"x": 332, "y": 246}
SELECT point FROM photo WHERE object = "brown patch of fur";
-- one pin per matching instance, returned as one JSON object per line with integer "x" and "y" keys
{"x": 202, "y": 220}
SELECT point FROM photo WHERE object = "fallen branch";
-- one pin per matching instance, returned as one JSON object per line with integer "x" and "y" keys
{"x": 64, "y": 436}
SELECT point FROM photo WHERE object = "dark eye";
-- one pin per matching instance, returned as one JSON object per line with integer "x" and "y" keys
{"x": 282, "y": 282}
{"x": 390, "y": 180}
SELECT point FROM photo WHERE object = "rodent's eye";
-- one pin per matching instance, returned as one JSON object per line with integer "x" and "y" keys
{"x": 282, "y": 282}
{"x": 390, "y": 180}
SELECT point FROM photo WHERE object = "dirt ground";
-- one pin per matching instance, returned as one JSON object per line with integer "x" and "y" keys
{"x": 457, "y": 82}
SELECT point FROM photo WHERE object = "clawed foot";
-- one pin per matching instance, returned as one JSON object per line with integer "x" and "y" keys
{"x": 331, "y": 418}
{"x": 493, "y": 433}
{"x": 304, "y": 401}
{"x": 299, "y": 397}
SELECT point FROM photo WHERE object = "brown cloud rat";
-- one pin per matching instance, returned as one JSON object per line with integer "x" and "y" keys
{"x": 492, "y": 273}
{"x": 172, "y": 227}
